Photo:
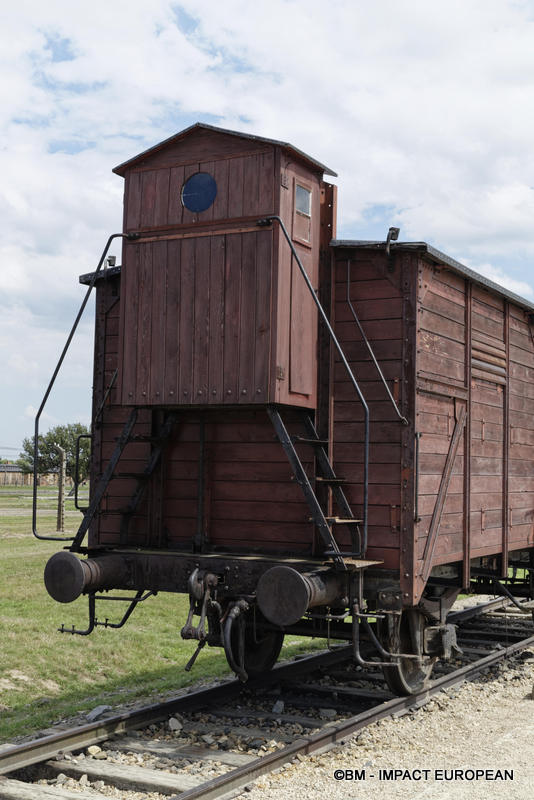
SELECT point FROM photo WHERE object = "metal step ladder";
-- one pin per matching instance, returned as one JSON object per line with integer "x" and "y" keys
{"x": 159, "y": 443}
{"x": 327, "y": 477}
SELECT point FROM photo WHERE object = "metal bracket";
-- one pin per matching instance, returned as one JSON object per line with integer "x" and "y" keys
{"x": 94, "y": 622}
{"x": 200, "y": 586}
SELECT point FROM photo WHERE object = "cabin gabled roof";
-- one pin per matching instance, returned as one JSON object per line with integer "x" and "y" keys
{"x": 126, "y": 165}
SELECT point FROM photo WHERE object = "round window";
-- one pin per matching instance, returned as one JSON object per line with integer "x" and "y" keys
{"x": 199, "y": 191}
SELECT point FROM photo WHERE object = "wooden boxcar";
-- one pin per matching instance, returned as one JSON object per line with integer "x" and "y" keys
{"x": 298, "y": 431}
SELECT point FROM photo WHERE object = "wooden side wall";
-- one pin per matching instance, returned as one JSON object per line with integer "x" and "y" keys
{"x": 246, "y": 501}
{"x": 442, "y": 396}
{"x": 296, "y": 340}
{"x": 462, "y": 373}
{"x": 231, "y": 492}
{"x": 521, "y": 435}
{"x": 216, "y": 310}
{"x": 196, "y": 320}
{"x": 378, "y": 300}
{"x": 474, "y": 351}
{"x": 245, "y": 183}
{"x": 109, "y": 418}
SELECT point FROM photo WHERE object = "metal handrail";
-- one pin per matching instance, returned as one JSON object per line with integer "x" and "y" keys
{"x": 77, "y": 470}
{"x": 370, "y": 349}
{"x": 129, "y": 236}
{"x": 267, "y": 221}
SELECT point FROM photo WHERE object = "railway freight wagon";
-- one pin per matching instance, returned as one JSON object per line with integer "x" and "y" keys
{"x": 307, "y": 435}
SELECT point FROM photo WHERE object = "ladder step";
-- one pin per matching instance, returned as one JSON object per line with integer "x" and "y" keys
{"x": 343, "y": 520}
{"x": 311, "y": 442}
{"x": 138, "y": 438}
{"x": 331, "y": 481}
{"x": 122, "y": 512}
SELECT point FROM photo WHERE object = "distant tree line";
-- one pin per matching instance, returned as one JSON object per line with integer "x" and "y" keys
{"x": 49, "y": 459}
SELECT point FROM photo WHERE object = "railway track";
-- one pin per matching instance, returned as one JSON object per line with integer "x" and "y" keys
{"x": 212, "y": 742}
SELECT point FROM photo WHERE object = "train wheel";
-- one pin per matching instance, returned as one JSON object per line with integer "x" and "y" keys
{"x": 261, "y": 647}
{"x": 404, "y": 634}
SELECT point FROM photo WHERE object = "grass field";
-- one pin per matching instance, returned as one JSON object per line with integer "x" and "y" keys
{"x": 45, "y": 675}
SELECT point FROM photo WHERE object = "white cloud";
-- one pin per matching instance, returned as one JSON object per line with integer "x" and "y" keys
{"x": 499, "y": 276}
{"x": 425, "y": 109}
{"x": 31, "y": 412}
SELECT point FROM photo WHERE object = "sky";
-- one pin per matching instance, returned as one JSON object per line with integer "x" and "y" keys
{"x": 424, "y": 109}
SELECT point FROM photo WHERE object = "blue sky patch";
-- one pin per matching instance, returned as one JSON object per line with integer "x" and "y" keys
{"x": 60, "y": 48}
{"x": 184, "y": 21}
{"x": 33, "y": 120}
{"x": 71, "y": 146}
{"x": 377, "y": 219}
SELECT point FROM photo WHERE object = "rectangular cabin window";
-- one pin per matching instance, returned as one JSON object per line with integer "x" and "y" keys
{"x": 302, "y": 200}
{"x": 302, "y": 213}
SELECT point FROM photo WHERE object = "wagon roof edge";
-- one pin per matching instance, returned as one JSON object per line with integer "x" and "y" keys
{"x": 121, "y": 168}
{"x": 441, "y": 258}
{"x": 110, "y": 272}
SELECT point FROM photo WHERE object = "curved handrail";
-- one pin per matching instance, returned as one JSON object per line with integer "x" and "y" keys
{"x": 322, "y": 312}
{"x": 37, "y": 535}
{"x": 370, "y": 349}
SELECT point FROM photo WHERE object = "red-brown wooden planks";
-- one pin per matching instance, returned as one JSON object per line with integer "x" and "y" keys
{"x": 133, "y": 201}
{"x": 232, "y": 328}
{"x": 176, "y": 182}
{"x": 303, "y": 327}
{"x": 263, "y": 312}
{"x": 187, "y": 321}
{"x": 162, "y": 199}
{"x": 188, "y": 216}
{"x": 235, "y": 187}
{"x": 201, "y": 331}
{"x": 232, "y": 311}
{"x": 200, "y": 145}
{"x": 148, "y": 199}
{"x": 216, "y": 319}
{"x": 172, "y": 321}
{"x": 220, "y": 173}
{"x": 379, "y": 307}
{"x": 442, "y": 306}
{"x": 251, "y": 186}
{"x": 266, "y": 182}
{"x": 128, "y": 324}
{"x": 158, "y": 344}
{"x": 247, "y": 319}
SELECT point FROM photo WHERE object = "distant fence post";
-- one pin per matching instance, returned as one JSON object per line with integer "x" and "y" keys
{"x": 61, "y": 490}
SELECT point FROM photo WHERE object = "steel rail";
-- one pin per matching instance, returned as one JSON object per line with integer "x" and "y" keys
{"x": 37, "y": 750}
{"x": 468, "y": 613}
{"x": 334, "y": 734}
{"x": 483, "y": 608}
{"x": 47, "y": 747}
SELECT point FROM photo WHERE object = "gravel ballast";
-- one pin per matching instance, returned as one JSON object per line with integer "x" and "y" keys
{"x": 485, "y": 725}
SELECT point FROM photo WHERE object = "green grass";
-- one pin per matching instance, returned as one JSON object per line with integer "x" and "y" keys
{"x": 46, "y": 676}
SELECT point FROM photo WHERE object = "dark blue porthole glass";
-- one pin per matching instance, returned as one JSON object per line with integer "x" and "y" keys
{"x": 199, "y": 191}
